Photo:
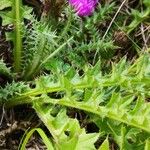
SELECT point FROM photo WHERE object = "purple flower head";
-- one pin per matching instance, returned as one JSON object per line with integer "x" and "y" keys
{"x": 84, "y": 7}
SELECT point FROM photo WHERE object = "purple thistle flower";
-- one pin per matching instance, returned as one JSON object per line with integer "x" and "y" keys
{"x": 84, "y": 7}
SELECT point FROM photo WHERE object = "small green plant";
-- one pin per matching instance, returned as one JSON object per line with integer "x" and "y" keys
{"x": 139, "y": 17}
{"x": 42, "y": 134}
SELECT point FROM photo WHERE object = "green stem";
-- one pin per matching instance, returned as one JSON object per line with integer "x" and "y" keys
{"x": 18, "y": 39}
{"x": 66, "y": 28}
{"x": 101, "y": 111}
{"x": 26, "y": 97}
{"x": 56, "y": 51}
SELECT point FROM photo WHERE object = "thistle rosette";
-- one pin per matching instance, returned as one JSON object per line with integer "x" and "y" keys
{"x": 84, "y": 7}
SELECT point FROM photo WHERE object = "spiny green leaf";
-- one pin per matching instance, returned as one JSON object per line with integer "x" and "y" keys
{"x": 5, "y": 4}
{"x": 4, "y": 70}
{"x": 15, "y": 16}
{"x": 105, "y": 145}
{"x": 147, "y": 145}
{"x": 66, "y": 131}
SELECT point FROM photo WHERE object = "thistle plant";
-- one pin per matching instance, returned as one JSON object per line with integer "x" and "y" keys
{"x": 55, "y": 72}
